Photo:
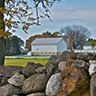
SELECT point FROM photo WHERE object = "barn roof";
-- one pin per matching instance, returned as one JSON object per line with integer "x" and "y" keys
{"x": 87, "y": 43}
{"x": 46, "y": 41}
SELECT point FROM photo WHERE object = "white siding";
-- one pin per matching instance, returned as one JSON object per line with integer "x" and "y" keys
{"x": 61, "y": 46}
{"x": 88, "y": 47}
{"x": 44, "y": 48}
{"x": 51, "y": 48}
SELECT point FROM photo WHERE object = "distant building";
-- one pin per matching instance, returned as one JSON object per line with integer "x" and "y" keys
{"x": 87, "y": 47}
{"x": 48, "y": 46}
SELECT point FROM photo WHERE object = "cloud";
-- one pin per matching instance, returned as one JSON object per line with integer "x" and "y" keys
{"x": 75, "y": 14}
{"x": 68, "y": 12}
{"x": 76, "y": 9}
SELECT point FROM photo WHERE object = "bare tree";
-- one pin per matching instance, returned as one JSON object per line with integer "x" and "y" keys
{"x": 77, "y": 34}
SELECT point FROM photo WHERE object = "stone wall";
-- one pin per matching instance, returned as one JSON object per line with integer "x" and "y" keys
{"x": 58, "y": 77}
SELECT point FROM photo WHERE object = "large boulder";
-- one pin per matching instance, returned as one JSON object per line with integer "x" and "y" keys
{"x": 93, "y": 85}
{"x": 52, "y": 65}
{"x": 37, "y": 94}
{"x": 92, "y": 67}
{"x": 6, "y": 72}
{"x": 66, "y": 55}
{"x": 35, "y": 83}
{"x": 75, "y": 82}
{"x": 40, "y": 70}
{"x": 81, "y": 64}
{"x": 86, "y": 56}
{"x": 53, "y": 84}
{"x": 61, "y": 65}
{"x": 17, "y": 80}
{"x": 8, "y": 90}
{"x": 92, "y": 73}
{"x": 53, "y": 59}
{"x": 29, "y": 69}
{"x": 3, "y": 80}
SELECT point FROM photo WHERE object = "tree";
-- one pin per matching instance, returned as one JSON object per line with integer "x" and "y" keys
{"x": 13, "y": 45}
{"x": 47, "y": 33}
{"x": 2, "y": 32}
{"x": 19, "y": 12}
{"x": 77, "y": 34}
{"x": 55, "y": 34}
{"x": 92, "y": 42}
{"x": 8, "y": 46}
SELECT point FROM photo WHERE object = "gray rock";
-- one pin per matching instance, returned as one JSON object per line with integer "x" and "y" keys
{"x": 3, "y": 80}
{"x": 17, "y": 80}
{"x": 86, "y": 56}
{"x": 92, "y": 67}
{"x": 8, "y": 90}
{"x": 30, "y": 69}
{"x": 53, "y": 59}
{"x": 1, "y": 75}
{"x": 8, "y": 71}
{"x": 67, "y": 54}
{"x": 35, "y": 83}
{"x": 80, "y": 63}
{"x": 61, "y": 65}
{"x": 93, "y": 85}
{"x": 50, "y": 69}
{"x": 40, "y": 69}
{"x": 37, "y": 94}
{"x": 92, "y": 61}
{"x": 52, "y": 65}
{"x": 53, "y": 84}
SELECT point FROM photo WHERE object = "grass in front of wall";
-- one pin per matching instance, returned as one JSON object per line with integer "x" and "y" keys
{"x": 23, "y": 61}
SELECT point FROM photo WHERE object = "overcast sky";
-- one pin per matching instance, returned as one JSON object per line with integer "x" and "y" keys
{"x": 67, "y": 12}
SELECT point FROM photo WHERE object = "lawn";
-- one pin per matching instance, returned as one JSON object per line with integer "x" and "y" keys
{"x": 24, "y": 61}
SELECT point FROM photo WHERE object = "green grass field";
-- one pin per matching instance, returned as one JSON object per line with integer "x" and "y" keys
{"x": 23, "y": 61}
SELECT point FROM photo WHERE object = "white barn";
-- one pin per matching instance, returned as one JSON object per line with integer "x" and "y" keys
{"x": 88, "y": 47}
{"x": 48, "y": 46}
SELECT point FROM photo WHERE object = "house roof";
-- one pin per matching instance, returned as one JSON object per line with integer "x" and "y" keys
{"x": 46, "y": 41}
{"x": 87, "y": 43}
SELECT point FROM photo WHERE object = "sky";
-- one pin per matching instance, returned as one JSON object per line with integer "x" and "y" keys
{"x": 66, "y": 12}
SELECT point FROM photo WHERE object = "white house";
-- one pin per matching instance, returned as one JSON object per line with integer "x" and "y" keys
{"x": 48, "y": 46}
{"x": 88, "y": 47}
